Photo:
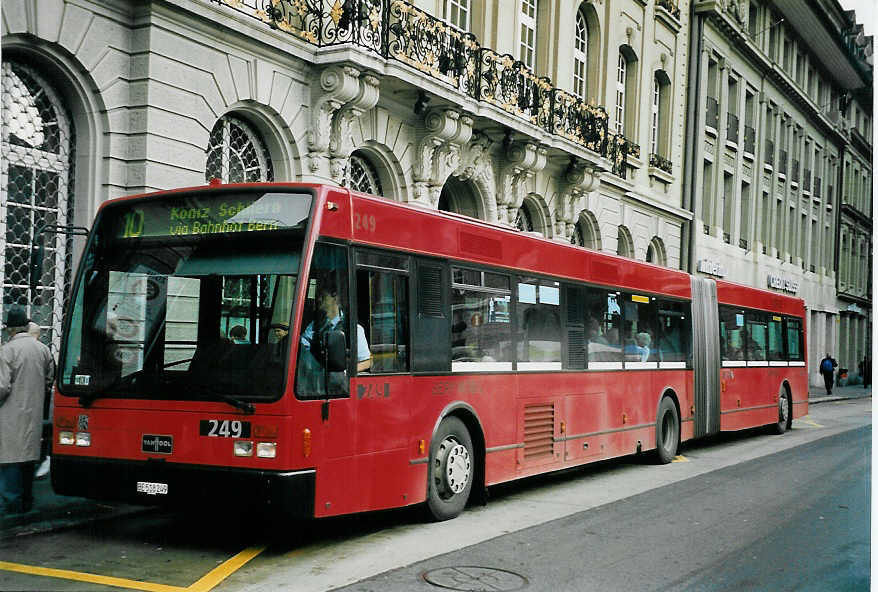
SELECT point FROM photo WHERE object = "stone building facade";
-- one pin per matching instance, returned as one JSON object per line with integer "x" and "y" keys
{"x": 559, "y": 117}
{"x": 780, "y": 177}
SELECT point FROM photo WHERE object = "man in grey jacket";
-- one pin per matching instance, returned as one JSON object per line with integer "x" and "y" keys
{"x": 26, "y": 374}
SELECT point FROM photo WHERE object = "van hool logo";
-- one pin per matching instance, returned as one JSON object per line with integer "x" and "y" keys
{"x": 159, "y": 444}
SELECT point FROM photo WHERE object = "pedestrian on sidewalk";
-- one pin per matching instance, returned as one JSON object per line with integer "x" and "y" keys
{"x": 827, "y": 369}
{"x": 27, "y": 370}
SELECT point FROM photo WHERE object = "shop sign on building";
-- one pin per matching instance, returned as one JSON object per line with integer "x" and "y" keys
{"x": 777, "y": 282}
{"x": 711, "y": 267}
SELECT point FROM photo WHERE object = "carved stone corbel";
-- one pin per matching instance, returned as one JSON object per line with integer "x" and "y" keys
{"x": 337, "y": 86}
{"x": 438, "y": 152}
{"x": 341, "y": 142}
{"x": 579, "y": 180}
{"x": 524, "y": 160}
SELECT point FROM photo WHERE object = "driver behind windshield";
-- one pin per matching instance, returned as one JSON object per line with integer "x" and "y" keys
{"x": 330, "y": 317}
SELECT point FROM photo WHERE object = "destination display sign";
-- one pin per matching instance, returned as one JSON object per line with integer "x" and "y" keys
{"x": 210, "y": 213}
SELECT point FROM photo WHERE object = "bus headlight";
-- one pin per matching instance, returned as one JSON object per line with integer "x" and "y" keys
{"x": 243, "y": 448}
{"x": 65, "y": 438}
{"x": 83, "y": 439}
{"x": 266, "y": 449}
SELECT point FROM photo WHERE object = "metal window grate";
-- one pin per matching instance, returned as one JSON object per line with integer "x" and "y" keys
{"x": 236, "y": 153}
{"x": 37, "y": 171}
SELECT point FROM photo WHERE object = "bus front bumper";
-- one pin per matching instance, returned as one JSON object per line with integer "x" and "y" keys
{"x": 159, "y": 483}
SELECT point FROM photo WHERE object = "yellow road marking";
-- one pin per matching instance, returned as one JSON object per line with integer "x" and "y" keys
{"x": 205, "y": 584}
{"x": 87, "y": 577}
{"x": 680, "y": 458}
{"x": 808, "y": 421}
{"x": 221, "y": 572}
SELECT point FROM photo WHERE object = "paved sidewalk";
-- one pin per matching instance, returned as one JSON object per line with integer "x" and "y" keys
{"x": 54, "y": 512}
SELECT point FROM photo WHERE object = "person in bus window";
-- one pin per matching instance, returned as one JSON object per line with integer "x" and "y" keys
{"x": 330, "y": 317}
{"x": 238, "y": 334}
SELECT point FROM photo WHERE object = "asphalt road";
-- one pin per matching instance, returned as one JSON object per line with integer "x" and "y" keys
{"x": 742, "y": 511}
{"x": 794, "y": 520}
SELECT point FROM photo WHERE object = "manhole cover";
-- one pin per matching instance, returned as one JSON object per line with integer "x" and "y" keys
{"x": 475, "y": 579}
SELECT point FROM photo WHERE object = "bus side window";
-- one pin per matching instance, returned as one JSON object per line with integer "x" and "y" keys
{"x": 731, "y": 333}
{"x": 757, "y": 337}
{"x": 640, "y": 328}
{"x": 383, "y": 312}
{"x": 673, "y": 331}
{"x": 794, "y": 340}
{"x": 603, "y": 326}
{"x": 775, "y": 339}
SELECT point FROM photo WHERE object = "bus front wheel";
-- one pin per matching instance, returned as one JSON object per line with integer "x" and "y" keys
{"x": 451, "y": 469}
{"x": 667, "y": 431}
{"x": 784, "y": 410}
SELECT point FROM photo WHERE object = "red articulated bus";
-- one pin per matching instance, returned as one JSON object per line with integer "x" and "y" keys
{"x": 319, "y": 352}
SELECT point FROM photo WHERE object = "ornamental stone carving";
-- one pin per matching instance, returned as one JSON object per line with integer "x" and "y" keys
{"x": 523, "y": 160}
{"x": 437, "y": 154}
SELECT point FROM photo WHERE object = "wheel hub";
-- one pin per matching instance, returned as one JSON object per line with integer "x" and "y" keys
{"x": 454, "y": 467}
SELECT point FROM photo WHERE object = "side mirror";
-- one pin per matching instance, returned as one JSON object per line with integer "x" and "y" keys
{"x": 336, "y": 351}
{"x": 37, "y": 255}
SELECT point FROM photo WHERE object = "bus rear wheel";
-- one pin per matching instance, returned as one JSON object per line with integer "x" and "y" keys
{"x": 667, "y": 431}
{"x": 451, "y": 469}
{"x": 784, "y": 411}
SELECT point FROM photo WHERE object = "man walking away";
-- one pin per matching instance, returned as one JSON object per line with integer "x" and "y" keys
{"x": 26, "y": 374}
{"x": 827, "y": 369}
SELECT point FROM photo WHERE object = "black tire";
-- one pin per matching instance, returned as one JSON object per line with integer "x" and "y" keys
{"x": 784, "y": 413}
{"x": 667, "y": 431}
{"x": 451, "y": 470}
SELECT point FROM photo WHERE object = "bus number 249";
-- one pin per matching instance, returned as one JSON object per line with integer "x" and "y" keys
{"x": 225, "y": 428}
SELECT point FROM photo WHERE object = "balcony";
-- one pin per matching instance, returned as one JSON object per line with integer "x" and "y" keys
{"x": 750, "y": 140}
{"x": 397, "y": 30}
{"x": 712, "y": 113}
{"x": 670, "y": 6}
{"x": 661, "y": 163}
{"x": 618, "y": 149}
{"x": 732, "y": 128}
{"x": 769, "y": 152}
{"x": 744, "y": 244}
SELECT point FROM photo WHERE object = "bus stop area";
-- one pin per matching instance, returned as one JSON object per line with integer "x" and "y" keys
{"x": 54, "y": 512}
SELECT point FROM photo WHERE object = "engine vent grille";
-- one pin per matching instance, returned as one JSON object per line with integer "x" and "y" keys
{"x": 539, "y": 430}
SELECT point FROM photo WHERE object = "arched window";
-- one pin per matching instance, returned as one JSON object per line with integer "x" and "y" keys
{"x": 624, "y": 244}
{"x": 621, "y": 83}
{"x": 655, "y": 252}
{"x": 362, "y": 176}
{"x": 586, "y": 233}
{"x": 36, "y": 156}
{"x": 527, "y": 42}
{"x": 524, "y": 220}
{"x": 654, "y": 116}
{"x": 580, "y": 57}
{"x": 457, "y": 13}
{"x": 460, "y": 197}
{"x": 236, "y": 153}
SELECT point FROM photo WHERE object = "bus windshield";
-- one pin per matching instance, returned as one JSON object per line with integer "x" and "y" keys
{"x": 166, "y": 312}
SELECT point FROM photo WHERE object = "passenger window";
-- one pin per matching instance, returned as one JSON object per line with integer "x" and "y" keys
{"x": 757, "y": 337}
{"x": 481, "y": 335}
{"x": 673, "y": 332}
{"x": 640, "y": 328}
{"x": 539, "y": 323}
{"x": 775, "y": 339}
{"x": 383, "y": 312}
{"x": 794, "y": 340}
{"x": 326, "y": 299}
{"x": 602, "y": 328}
{"x": 731, "y": 333}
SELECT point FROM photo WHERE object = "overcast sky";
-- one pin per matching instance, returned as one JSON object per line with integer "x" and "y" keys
{"x": 867, "y": 12}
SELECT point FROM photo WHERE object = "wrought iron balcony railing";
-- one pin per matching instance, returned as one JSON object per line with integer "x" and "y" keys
{"x": 660, "y": 162}
{"x": 670, "y": 6}
{"x": 712, "y": 113}
{"x": 617, "y": 151}
{"x": 749, "y": 139}
{"x": 397, "y": 30}
{"x": 769, "y": 152}
{"x": 732, "y": 128}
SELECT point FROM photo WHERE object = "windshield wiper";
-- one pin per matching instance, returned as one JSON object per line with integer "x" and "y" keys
{"x": 245, "y": 406}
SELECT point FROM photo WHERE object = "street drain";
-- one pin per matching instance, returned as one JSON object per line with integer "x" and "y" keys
{"x": 475, "y": 579}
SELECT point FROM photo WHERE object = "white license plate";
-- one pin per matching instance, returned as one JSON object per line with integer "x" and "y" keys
{"x": 152, "y": 488}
